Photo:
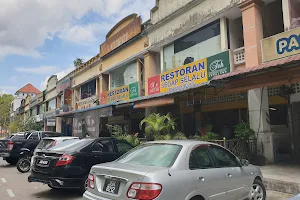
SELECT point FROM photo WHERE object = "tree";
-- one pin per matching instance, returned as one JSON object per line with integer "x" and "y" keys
{"x": 5, "y": 101}
{"x": 78, "y": 62}
{"x": 30, "y": 125}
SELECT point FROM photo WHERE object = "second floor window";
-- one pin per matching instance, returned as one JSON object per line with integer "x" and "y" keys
{"x": 123, "y": 76}
{"x": 88, "y": 89}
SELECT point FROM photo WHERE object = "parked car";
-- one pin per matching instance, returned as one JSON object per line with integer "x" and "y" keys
{"x": 10, "y": 148}
{"x": 49, "y": 142}
{"x": 181, "y": 170}
{"x": 15, "y": 136}
{"x": 67, "y": 165}
{"x": 24, "y": 163}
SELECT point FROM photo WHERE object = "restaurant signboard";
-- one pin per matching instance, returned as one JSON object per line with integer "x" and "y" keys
{"x": 123, "y": 93}
{"x": 194, "y": 73}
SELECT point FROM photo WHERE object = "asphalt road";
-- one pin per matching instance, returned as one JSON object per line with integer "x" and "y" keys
{"x": 14, "y": 186}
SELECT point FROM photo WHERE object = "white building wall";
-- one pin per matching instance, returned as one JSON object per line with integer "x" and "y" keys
{"x": 187, "y": 21}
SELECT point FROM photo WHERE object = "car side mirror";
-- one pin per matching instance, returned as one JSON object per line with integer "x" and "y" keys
{"x": 244, "y": 162}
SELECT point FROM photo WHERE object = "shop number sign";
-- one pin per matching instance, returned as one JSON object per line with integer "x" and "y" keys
{"x": 123, "y": 93}
{"x": 191, "y": 74}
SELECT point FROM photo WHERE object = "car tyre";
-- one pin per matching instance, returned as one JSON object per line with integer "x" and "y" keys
{"x": 84, "y": 185}
{"x": 53, "y": 188}
{"x": 12, "y": 161}
{"x": 258, "y": 191}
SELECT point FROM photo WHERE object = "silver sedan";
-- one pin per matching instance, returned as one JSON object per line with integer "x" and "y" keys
{"x": 176, "y": 170}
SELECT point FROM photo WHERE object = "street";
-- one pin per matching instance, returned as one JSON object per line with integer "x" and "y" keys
{"x": 14, "y": 185}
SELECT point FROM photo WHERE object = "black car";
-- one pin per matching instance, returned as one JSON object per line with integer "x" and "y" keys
{"x": 10, "y": 148}
{"x": 68, "y": 164}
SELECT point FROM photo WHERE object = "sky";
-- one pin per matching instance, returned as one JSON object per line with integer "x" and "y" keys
{"x": 39, "y": 38}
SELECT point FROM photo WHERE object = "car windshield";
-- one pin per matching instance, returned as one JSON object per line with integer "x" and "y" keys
{"x": 159, "y": 155}
{"x": 71, "y": 145}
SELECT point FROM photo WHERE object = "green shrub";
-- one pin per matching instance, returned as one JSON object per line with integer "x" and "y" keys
{"x": 243, "y": 131}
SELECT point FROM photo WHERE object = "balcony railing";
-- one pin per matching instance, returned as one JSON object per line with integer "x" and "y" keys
{"x": 239, "y": 56}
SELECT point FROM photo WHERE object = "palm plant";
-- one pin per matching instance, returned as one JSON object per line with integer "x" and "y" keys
{"x": 158, "y": 126}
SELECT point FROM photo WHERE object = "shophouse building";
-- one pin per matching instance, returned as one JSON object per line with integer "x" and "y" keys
{"x": 50, "y": 104}
{"x": 64, "y": 122}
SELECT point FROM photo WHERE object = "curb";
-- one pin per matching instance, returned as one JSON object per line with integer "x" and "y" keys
{"x": 282, "y": 186}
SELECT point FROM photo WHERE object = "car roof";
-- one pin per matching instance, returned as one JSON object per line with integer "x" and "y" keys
{"x": 179, "y": 142}
{"x": 61, "y": 138}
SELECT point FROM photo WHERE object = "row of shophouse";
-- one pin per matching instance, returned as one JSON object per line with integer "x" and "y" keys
{"x": 205, "y": 61}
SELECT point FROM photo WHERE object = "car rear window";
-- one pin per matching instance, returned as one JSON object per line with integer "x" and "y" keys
{"x": 159, "y": 155}
{"x": 49, "y": 134}
{"x": 17, "y": 137}
{"x": 71, "y": 145}
{"x": 45, "y": 144}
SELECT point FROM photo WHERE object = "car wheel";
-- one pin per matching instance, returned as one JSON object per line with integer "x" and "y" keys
{"x": 84, "y": 185}
{"x": 53, "y": 188}
{"x": 23, "y": 165}
{"x": 258, "y": 191}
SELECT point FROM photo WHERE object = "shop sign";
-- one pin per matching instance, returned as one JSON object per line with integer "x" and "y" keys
{"x": 77, "y": 126}
{"x": 86, "y": 103}
{"x": 67, "y": 97}
{"x": 123, "y": 93}
{"x": 62, "y": 85}
{"x": 51, "y": 122}
{"x": 105, "y": 112}
{"x": 124, "y": 35}
{"x": 92, "y": 121}
{"x": 281, "y": 45}
{"x": 218, "y": 64}
{"x": 190, "y": 74}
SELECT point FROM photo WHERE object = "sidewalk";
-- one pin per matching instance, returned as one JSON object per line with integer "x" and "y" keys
{"x": 272, "y": 195}
{"x": 283, "y": 178}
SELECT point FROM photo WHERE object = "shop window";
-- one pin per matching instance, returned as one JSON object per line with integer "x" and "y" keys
{"x": 88, "y": 89}
{"x": 278, "y": 115}
{"x": 124, "y": 75}
{"x": 295, "y": 13}
{"x": 52, "y": 105}
{"x": 199, "y": 44}
{"x": 272, "y": 12}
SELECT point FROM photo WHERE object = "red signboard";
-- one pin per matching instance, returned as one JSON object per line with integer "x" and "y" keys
{"x": 154, "y": 85}
{"x": 103, "y": 98}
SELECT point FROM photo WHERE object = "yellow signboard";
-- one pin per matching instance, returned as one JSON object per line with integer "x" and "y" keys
{"x": 281, "y": 45}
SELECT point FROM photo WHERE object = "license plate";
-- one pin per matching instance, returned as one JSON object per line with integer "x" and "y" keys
{"x": 111, "y": 186}
{"x": 42, "y": 163}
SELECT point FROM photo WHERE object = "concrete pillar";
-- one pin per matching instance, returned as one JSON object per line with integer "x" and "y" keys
{"x": 259, "y": 117}
{"x": 224, "y": 33}
{"x": 58, "y": 124}
{"x": 103, "y": 83}
{"x": 149, "y": 68}
{"x": 253, "y": 31}
{"x": 286, "y": 14}
{"x": 162, "y": 59}
{"x": 139, "y": 70}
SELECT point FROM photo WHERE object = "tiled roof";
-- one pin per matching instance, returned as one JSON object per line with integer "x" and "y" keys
{"x": 276, "y": 63}
{"x": 29, "y": 89}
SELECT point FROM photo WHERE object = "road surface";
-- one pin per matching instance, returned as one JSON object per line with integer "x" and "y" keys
{"x": 14, "y": 186}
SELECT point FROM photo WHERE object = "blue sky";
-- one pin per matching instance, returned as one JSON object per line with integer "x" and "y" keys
{"x": 42, "y": 38}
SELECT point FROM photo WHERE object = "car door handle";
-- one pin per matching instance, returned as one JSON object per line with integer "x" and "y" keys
{"x": 201, "y": 179}
{"x": 229, "y": 175}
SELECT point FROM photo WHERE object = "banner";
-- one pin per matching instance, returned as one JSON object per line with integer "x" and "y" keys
{"x": 190, "y": 74}
{"x": 123, "y": 93}
{"x": 281, "y": 45}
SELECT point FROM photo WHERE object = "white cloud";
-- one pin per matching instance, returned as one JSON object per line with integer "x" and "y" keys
{"x": 37, "y": 70}
{"x": 7, "y": 89}
{"x": 25, "y": 25}
{"x": 60, "y": 75}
